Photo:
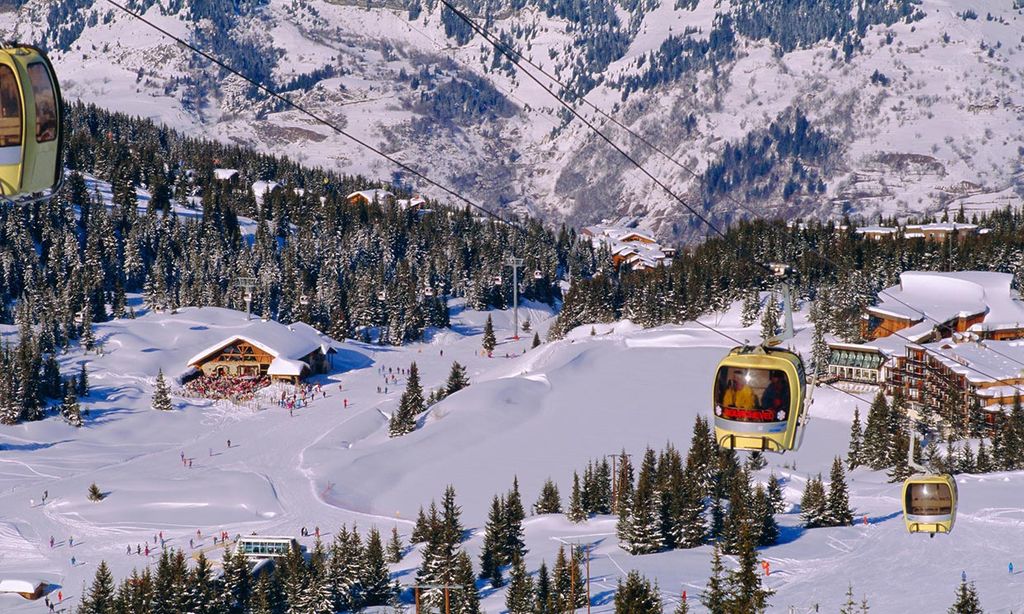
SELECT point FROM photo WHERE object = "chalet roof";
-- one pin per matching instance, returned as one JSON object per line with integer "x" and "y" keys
{"x": 940, "y": 297}
{"x": 371, "y": 195}
{"x": 288, "y": 343}
{"x": 262, "y": 188}
{"x": 225, "y": 173}
{"x": 19, "y": 585}
{"x": 981, "y": 363}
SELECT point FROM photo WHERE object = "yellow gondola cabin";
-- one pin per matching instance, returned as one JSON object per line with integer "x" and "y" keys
{"x": 929, "y": 503}
{"x": 759, "y": 400}
{"x": 30, "y": 125}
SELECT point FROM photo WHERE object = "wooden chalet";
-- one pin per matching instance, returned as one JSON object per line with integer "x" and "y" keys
{"x": 265, "y": 348}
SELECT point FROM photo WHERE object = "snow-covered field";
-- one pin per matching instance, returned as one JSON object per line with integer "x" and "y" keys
{"x": 536, "y": 414}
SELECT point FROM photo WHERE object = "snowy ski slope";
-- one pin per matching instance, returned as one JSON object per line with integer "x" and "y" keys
{"x": 533, "y": 415}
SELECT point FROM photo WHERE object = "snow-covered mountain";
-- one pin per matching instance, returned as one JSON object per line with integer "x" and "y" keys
{"x": 766, "y": 107}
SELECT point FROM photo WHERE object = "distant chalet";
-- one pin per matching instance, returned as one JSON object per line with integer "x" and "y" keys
{"x": 281, "y": 352}
{"x": 632, "y": 248}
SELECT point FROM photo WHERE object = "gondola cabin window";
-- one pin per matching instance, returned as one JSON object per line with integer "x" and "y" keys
{"x": 929, "y": 500}
{"x": 10, "y": 115}
{"x": 752, "y": 395}
{"x": 46, "y": 102}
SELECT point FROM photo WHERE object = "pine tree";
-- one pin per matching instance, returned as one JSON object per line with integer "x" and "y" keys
{"x": 95, "y": 494}
{"x": 549, "y": 501}
{"x": 403, "y": 421}
{"x": 715, "y": 596}
{"x": 69, "y": 408}
{"x": 519, "y": 598}
{"x": 770, "y": 318}
{"x": 569, "y": 591}
{"x": 491, "y": 554}
{"x": 100, "y": 598}
{"x": 751, "y": 308}
{"x": 375, "y": 579}
{"x": 644, "y": 531}
{"x": 536, "y": 340}
{"x": 820, "y": 352}
{"x": 513, "y": 544}
{"x": 490, "y": 341}
{"x": 466, "y": 601}
{"x": 457, "y": 379}
{"x": 421, "y": 530}
{"x": 543, "y": 595}
{"x": 849, "y": 607}
{"x": 744, "y": 583}
{"x": 83, "y": 381}
{"x": 237, "y": 582}
{"x": 576, "y": 512}
{"x": 162, "y": 394}
{"x": 775, "y": 496}
{"x": 637, "y": 596}
{"x": 983, "y": 462}
{"x": 813, "y": 504}
{"x": 395, "y": 546}
{"x": 838, "y": 512}
{"x": 966, "y": 600}
{"x": 738, "y": 516}
{"x": 763, "y": 513}
{"x": 877, "y": 436}
{"x": 345, "y": 568}
{"x": 853, "y": 455}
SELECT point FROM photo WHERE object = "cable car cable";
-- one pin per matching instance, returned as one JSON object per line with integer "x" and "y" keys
{"x": 514, "y": 57}
{"x": 286, "y": 100}
{"x": 442, "y": 187}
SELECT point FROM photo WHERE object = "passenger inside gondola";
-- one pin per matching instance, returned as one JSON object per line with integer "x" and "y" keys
{"x": 776, "y": 396}
{"x": 46, "y": 103}
{"x": 929, "y": 500}
{"x": 10, "y": 109}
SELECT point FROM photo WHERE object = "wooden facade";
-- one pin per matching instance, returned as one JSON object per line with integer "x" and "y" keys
{"x": 238, "y": 359}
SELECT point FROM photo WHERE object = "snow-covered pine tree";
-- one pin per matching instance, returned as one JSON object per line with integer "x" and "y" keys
{"x": 457, "y": 379}
{"x": 536, "y": 340}
{"x": 395, "y": 546}
{"x": 420, "y": 530}
{"x": 763, "y": 515}
{"x": 853, "y": 455}
{"x": 637, "y": 595}
{"x": 549, "y": 501}
{"x": 489, "y": 341}
{"x": 100, "y": 598}
{"x": 466, "y": 601}
{"x": 376, "y": 586}
{"x": 820, "y": 353}
{"x": 715, "y": 596}
{"x": 512, "y": 543}
{"x": 983, "y": 462}
{"x": 491, "y": 553}
{"x": 83, "y": 381}
{"x": 519, "y": 598}
{"x": 751, "y": 308}
{"x": 688, "y": 524}
{"x": 770, "y": 318}
{"x": 967, "y": 601}
{"x": 237, "y": 582}
{"x": 813, "y": 503}
{"x": 543, "y": 595}
{"x": 568, "y": 581}
{"x": 877, "y": 438}
{"x": 746, "y": 594}
{"x": 161, "y": 394}
{"x": 738, "y": 516}
{"x": 345, "y": 568}
{"x": 576, "y": 512}
{"x": 775, "y": 497}
{"x": 645, "y": 534}
{"x": 838, "y": 512}
{"x": 69, "y": 408}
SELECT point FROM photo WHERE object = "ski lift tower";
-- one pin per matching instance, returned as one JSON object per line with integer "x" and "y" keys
{"x": 515, "y": 263}
{"x": 247, "y": 284}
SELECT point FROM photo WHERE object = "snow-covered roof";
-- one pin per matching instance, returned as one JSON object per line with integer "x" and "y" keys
{"x": 940, "y": 297}
{"x": 941, "y": 227}
{"x": 980, "y": 363}
{"x": 878, "y": 230}
{"x": 291, "y": 343}
{"x": 224, "y": 173}
{"x": 262, "y": 188}
{"x": 371, "y": 195}
{"x": 18, "y": 585}
{"x": 286, "y": 366}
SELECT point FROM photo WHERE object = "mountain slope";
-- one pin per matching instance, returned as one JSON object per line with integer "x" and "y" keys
{"x": 894, "y": 106}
